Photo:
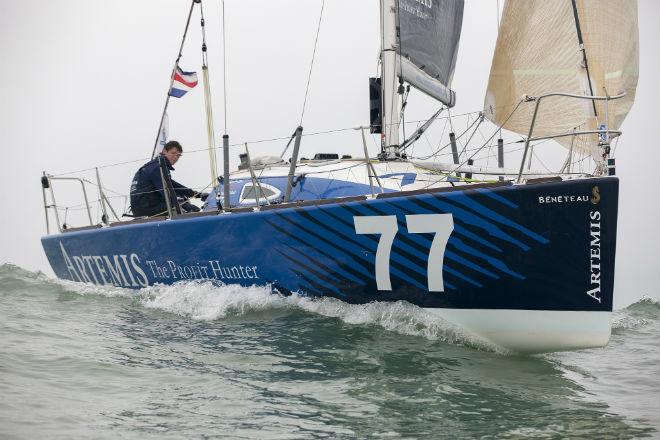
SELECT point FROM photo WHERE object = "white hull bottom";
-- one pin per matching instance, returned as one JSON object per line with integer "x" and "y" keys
{"x": 533, "y": 331}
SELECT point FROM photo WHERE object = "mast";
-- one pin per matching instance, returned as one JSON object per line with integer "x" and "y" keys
{"x": 390, "y": 97}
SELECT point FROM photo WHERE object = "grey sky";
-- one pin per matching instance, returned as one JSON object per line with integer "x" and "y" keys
{"x": 84, "y": 82}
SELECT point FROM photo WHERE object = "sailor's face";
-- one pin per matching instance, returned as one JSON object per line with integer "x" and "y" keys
{"x": 172, "y": 155}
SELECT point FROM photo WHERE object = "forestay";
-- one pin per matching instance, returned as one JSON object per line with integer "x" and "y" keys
{"x": 538, "y": 52}
{"x": 429, "y": 32}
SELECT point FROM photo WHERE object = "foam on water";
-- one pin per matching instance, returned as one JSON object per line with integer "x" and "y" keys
{"x": 202, "y": 300}
{"x": 636, "y": 315}
{"x": 10, "y": 272}
{"x": 207, "y": 301}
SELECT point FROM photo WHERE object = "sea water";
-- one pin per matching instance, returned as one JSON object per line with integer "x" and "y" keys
{"x": 202, "y": 361}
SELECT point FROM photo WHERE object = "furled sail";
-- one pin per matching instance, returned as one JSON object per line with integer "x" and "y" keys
{"x": 538, "y": 52}
{"x": 429, "y": 33}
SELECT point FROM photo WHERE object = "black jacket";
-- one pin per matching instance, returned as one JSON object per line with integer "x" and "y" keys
{"x": 147, "y": 196}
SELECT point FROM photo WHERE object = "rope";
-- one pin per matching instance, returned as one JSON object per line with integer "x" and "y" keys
{"x": 311, "y": 65}
{"x": 210, "y": 132}
{"x": 203, "y": 26}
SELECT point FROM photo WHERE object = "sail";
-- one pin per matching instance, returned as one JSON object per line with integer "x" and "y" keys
{"x": 538, "y": 52}
{"x": 429, "y": 33}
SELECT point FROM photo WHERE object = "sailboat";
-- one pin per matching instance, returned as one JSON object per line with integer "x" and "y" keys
{"x": 519, "y": 257}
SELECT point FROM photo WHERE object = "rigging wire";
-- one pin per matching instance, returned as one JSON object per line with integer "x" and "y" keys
{"x": 419, "y": 131}
{"x": 582, "y": 49}
{"x": 404, "y": 98}
{"x": 442, "y": 134}
{"x": 497, "y": 15}
{"x": 311, "y": 65}
{"x": 435, "y": 153}
{"x": 207, "y": 100}
{"x": 176, "y": 65}
{"x": 490, "y": 148}
{"x": 476, "y": 128}
{"x": 241, "y": 144}
{"x": 224, "y": 66}
{"x": 451, "y": 124}
{"x": 485, "y": 144}
{"x": 541, "y": 162}
{"x": 616, "y": 144}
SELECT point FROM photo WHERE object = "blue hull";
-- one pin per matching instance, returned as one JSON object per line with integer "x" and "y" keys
{"x": 545, "y": 246}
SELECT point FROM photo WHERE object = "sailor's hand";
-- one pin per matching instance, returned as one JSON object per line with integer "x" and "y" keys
{"x": 202, "y": 195}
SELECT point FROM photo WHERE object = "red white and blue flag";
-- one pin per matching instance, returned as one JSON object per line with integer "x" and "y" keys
{"x": 183, "y": 81}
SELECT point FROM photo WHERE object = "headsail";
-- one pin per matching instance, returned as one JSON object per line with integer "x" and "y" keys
{"x": 538, "y": 52}
{"x": 429, "y": 33}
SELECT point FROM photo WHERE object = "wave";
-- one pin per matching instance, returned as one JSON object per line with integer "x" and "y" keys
{"x": 207, "y": 301}
{"x": 642, "y": 313}
{"x": 10, "y": 271}
{"x": 16, "y": 280}
{"x": 645, "y": 304}
{"x": 202, "y": 300}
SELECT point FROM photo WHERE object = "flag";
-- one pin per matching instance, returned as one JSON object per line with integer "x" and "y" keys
{"x": 163, "y": 134}
{"x": 183, "y": 81}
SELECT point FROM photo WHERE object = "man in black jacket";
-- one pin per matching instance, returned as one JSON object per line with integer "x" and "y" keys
{"x": 147, "y": 195}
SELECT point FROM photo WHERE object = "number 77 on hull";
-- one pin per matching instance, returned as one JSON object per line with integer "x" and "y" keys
{"x": 441, "y": 225}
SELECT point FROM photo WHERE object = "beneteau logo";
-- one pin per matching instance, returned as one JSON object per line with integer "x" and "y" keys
{"x": 120, "y": 270}
{"x": 595, "y": 198}
{"x": 568, "y": 198}
{"x": 594, "y": 254}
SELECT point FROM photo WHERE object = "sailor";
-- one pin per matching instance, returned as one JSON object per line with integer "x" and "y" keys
{"x": 147, "y": 195}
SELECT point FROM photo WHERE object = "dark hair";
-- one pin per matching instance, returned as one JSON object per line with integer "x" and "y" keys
{"x": 171, "y": 145}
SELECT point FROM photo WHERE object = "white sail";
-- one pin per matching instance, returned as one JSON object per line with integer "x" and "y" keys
{"x": 538, "y": 52}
